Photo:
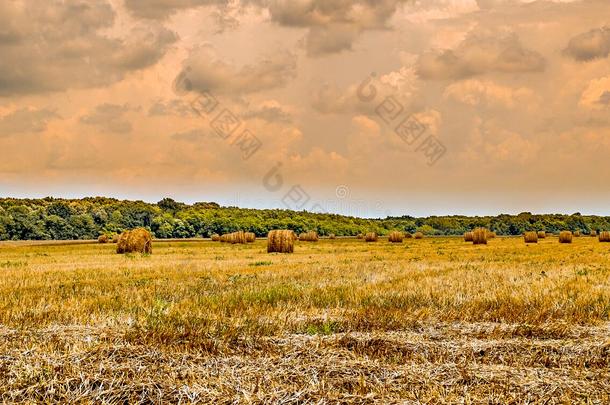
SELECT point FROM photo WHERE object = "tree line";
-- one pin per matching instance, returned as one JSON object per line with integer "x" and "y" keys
{"x": 87, "y": 218}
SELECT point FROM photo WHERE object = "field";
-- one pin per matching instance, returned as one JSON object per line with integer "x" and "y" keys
{"x": 425, "y": 321}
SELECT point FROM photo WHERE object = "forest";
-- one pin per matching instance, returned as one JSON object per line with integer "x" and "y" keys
{"x": 87, "y": 218}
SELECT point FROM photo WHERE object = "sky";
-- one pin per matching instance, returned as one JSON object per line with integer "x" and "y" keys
{"x": 365, "y": 108}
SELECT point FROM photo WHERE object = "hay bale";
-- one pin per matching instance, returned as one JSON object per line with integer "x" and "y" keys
{"x": 577, "y": 234}
{"x": 531, "y": 237}
{"x": 408, "y": 235}
{"x": 280, "y": 241}
{"x": 604, "y": 236}
{"x": 250, "y": 237}
{"x": 311, "y": 236}
{"x": 332, "y": 236}
{"x": 565, "y": 237}
{"x": 491, "y": 235}
{"x": 593, "y": 233}
{"x": 115, "y": 238}
{"x": 360, "y": 236}
{"x": 370, "y": 237}
{"x": 468, "y": 236}
{"x": 418, "y": 235}
{"x": 138, "y": 240}
{"x": 238, "y": 237}
{"x": 396, "y": 237}
{"x": 541, "y": 234}
{"x": 234, "y": 238}
{"x": 122, "y": 242}
{"x": 479, "y": 236}
{"x": 216, "y": 237}
{"x": 103, "y": 239}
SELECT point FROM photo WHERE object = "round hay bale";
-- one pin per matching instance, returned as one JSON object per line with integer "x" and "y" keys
{"x": 491, "y": 235}
{"x": 418, "y": 235}
{"x": 250, "y": 237}
{"x": 396, "y": 237}
{"x": 115, "y": 238}
{"x": 122, "y": 242}
{"x": 138, "y": 240}
{"x": 577, "y": 234}
{"x": 565, "y": 237}
{"x": 468, "y": 236}
{"x": 332, "y": 236}
{"x": 408, "y": 235}
{"x": 604, "y": 236}
{"x": 541, "y": 234}
{"x": 238, "y": 237}
{"x": 593, "y": 233}
{"x": 216, "y": 237}
{"x": 370, "y": 237}
{"x": 103, "y": 239}
{"x": 280, "y": 241}
{"x": 479, "y": 236}
{"x": 531, "y": 237}
{"x": 311, "y": 236}
{"x": 360, "y": 236}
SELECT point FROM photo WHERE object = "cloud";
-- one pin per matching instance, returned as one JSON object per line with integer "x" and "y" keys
{"x": 144, "y": 47}
{"x": 25, "y": 120}
{"x": 328, "y": 40}
{"x": 597, "y": 94}
{"x": 192, "y": 136}
{"x": 204, "y": 72}
{"x": 400, "y": 84}
{"x": 56, "y": 45}
{"x": 162, "y": 9}
{"x": 270, "y": 111}
{"x": 480, "y": 54}
{"x": 476, "y": 93}
{"x": 491, "y": 145}
{"x": 333, "y": 24}
{"x": 590, "y": 45}
{"x": 109, "y": 118}
{"x": 170, "y": 107}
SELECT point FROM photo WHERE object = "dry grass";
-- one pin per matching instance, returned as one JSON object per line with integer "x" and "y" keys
{"x": 430, "y": 321}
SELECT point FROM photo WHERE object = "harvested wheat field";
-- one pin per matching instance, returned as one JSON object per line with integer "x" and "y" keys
{"x": 339, "y": 321}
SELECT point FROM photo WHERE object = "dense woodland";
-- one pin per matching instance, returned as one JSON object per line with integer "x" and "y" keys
{"x": 87, "y": 218}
